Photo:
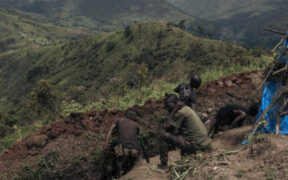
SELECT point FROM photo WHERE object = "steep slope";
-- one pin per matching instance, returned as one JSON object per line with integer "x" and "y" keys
{"x": 20, "y": 30}
{"x": 107, "y": 63}
{"x": 71, "y": 148}
{"x": 99, "y": 14}
{"x": 239, "y": 20}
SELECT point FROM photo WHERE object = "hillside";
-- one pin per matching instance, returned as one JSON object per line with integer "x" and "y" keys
{"x": 113, "y": 63}
{"x": 224, "y": 9}
{"x": 239, "y": 21}
{"x": 71, "y": 148}
{"x": 99, "y": 14}
{"x": 19, "y": 30}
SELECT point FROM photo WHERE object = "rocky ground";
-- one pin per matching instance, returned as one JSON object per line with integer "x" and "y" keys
{"x": 66, "y": 149}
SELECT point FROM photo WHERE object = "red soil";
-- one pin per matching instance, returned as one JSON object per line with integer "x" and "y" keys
{"x": 68, "y": 137}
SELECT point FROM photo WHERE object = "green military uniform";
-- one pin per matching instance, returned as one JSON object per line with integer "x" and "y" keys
{"x": 190, "y": 134}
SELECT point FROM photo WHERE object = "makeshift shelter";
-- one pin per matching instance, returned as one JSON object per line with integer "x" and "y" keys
{"x": 274, "y": 95}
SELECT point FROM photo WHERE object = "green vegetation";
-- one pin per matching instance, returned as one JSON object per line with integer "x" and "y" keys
{"x": 157, "y": 89}
{"x": 17, "y": 133}
{"x": 19, "y": 30}
{"x": 99, "y": 14}
{"x": 112, "y": 71}
{"x": 92, "y": 69}
{"x": 45, "y": 169}
{"x": 269, "y": 173}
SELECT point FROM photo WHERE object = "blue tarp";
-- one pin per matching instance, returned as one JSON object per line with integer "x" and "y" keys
{"x": 282, "y": 54}
{"x": 269, "y": 90}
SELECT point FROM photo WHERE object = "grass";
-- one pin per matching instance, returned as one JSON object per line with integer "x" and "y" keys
{"x": 138, "y": 96}
{"x": 104, "y": 63}
{"x": 157, "y": 89}
{"x": 269, "y": 173}
{"x": 18, "y": 134}
{"x": 98, "y": 14}
{"x": 108, "y": 71}
{"x": 19, "y": 31}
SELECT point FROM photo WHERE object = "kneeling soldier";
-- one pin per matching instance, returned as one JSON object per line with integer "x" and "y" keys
{"x": 185, "y": 131}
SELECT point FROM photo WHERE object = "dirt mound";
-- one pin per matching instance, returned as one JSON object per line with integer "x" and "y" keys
{"x": 238, "y": 89}
{"x": 237, "y": 162}
{"x": 228, "y": 160}
{"x": 74, "y": 140}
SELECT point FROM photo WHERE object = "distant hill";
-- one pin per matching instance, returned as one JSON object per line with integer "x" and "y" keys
{"x": 19, "y": 30}
{"x": 239, "y": 20}
{"x": 99, "y": 14}
{"x": 104, "y": 64}
{"x": 224, "y": 9}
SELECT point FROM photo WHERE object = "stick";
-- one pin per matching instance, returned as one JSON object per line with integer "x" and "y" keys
{"x": 280, "y": 70}
{"x": 267, "y": 76}
{"x": 274, "y": 31}
{"x": 276, "y": 47}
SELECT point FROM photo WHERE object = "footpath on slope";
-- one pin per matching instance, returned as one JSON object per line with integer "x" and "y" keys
{"x": 79, "y": 133}
{"x": 266, "y": 159}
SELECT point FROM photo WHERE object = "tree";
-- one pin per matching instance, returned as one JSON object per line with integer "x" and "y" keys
{"x": 43, "y": 98}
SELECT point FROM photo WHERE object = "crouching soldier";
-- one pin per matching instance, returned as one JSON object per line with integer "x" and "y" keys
{"x": 185, "y": 131}
{"x": 127, "y": 149}
{"x": 233, "y": 115}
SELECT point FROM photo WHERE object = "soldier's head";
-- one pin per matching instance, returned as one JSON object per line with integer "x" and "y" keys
{"x": 131, "y": 114}
{"x": 195, "y": 81}
{"x": 171, "y": 100}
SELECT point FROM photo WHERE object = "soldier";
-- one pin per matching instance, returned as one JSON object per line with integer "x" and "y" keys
{"x": 185, "y": 131}
{"x": 128, "y": 148}
{"x": 232, "y": 115}
{"x": 187, "y": 92}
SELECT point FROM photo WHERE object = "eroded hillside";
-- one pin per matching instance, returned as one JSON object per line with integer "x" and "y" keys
{"x": 71, "y": 148}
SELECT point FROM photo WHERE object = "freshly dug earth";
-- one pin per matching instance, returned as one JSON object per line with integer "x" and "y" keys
{"x": 266, "y": 159}
{"x": 69, "y": 148}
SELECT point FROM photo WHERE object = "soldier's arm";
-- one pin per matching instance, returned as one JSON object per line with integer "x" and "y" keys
{"x": 177, "y": 122}
{"x": 169, "y": 124}
{"x": 109, "y": 136}
{"x": 239, "y": 118}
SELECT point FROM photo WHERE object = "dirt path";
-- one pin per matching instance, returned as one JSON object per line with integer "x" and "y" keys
{"x": 144, "y": 171}
{"x": 229, "y": 160}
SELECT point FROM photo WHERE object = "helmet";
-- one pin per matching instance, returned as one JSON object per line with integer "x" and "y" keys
{"x": 195, "y": 81}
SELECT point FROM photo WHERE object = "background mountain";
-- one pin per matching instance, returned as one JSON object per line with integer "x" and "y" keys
{"x": 239, "y": 21}
{"x": 20, "y": 30}
{"x": 99, "y": 14}
{"x": 111, "y": 63}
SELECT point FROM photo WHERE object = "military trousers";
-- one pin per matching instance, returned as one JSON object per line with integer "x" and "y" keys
{"x": 186, "y": 147}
